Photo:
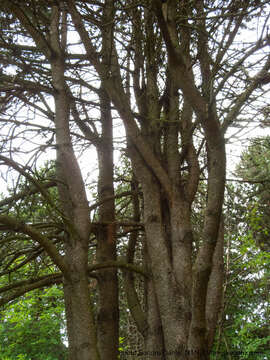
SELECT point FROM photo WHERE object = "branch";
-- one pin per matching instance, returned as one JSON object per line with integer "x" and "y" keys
{"x": 37, "y": 36}
{"x": 31, "y": 281}
{"x": 32, "y": 284}
{"x": 259, "y": 45}
{"x": 121, "y": 265}
{"x": 262, "y": 181}
{"x": 183, "y": 75}
{"x": 134, "y": 305}
{"x": 109, "y": 198}
{"x": 34, "y": 255}
{"x": 9, "y": 82}
{"x": 114, "y": 87}
{"x": 36, "y": 183}
{"x": 49, "y": 280}
{"x": 30, "y": 191}
{"x": 19, "y": 226}
{"x": 242, "y": 98}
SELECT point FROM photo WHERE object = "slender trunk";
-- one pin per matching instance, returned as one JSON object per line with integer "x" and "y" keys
{"x": 153, "y": 338}
{"x": 108, "y": 313}
{"x": 80, "y": 322}
{"x": 74, "y": 204}
{"x": 215, "y": 289}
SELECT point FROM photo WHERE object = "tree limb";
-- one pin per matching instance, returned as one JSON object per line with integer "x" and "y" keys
{"x": 19, "y": 226}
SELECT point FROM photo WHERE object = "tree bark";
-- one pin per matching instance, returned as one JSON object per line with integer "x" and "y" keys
{"x": 82, "y": 338}
{"x": 108, "y": 312}
{"x": 79, "y": 313}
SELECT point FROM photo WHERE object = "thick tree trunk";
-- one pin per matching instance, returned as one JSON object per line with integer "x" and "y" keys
{"x": 167, "y": 289}
{"x": 181, "y": 291}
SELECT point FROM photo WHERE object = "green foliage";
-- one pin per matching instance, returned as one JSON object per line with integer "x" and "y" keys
{"x": 255, "y": 169}
{"x": 33, "y": 327}
{"x": 35, "y": 207}
{"x": 122, "y": 346}
{"x": 244, "y": 328}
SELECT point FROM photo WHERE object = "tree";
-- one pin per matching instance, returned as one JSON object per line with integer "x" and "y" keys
{"x": 244, "y": 322}
{"x": 254, "y": 168}
{"x": 174, "y": 74}
{"x": 33, "y": 326}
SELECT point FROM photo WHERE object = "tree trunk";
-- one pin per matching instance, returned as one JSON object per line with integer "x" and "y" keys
{"x": 108, "y": 312}
{"x": 78, "y": 308}
{"x": 153, "y": 338}
{"x": 76, "y": 217}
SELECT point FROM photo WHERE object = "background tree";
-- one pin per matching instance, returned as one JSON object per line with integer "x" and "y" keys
{"x": 245, "y": 321}
{"x": 254, "y": 168}
{"x": 33, "y": 327}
